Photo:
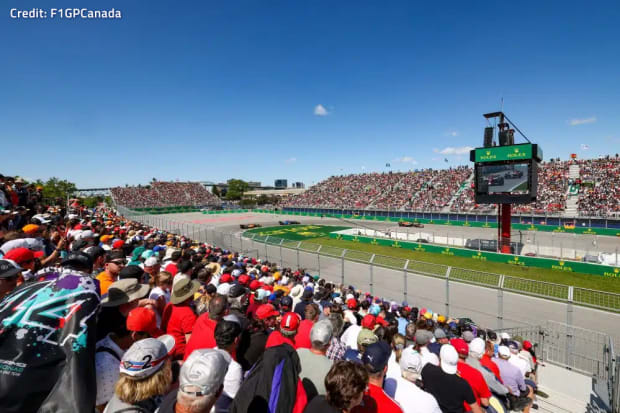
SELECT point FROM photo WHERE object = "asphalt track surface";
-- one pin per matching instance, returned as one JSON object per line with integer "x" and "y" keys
{"x": 478, "y": 303}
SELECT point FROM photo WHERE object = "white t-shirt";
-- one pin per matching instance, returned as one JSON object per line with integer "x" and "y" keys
{"x": 107, "y": 369}
{"x": 393, "y": 370}
{"x": 349, "y": 337}
{"x": 428, "y": 357}
{"x": 411, "y": 398}
{"x": 234, "y": 376}
{"x": 159, "y": 292}
{"x": 520, "y": 363}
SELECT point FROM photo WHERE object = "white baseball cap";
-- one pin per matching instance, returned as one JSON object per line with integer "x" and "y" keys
{"x": 448, "y": 357}
{"x": 503, "y": 351}
{"x": 411, "y": 361}
{"x": 203, "y": 372}
{"x": 476, "y": 347}
{"x": 145, "y": 357}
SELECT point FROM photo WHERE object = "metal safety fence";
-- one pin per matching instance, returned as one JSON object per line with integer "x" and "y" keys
{"x": 445, "y": 289}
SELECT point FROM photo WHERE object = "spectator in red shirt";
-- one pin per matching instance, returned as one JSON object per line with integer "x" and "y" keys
{"x": 288, "y": 329}
{"x": 486, "y": 361}
{"x": 376, "y": 400}
{"x": 311, "y": 313}
{"x": 470, "y": 374}
{"x": 178, "y": 318}
{"x": 203, "y": 335}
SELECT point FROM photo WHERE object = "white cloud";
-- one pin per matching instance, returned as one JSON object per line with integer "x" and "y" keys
{"x": 453, "y": 133}
{"x": 320, "y": 110}
{"x": 575, "y": 122}
{"x": 291, "y": 160}
{"x": 451, "y": 150}
{"x": 406, "y": 159}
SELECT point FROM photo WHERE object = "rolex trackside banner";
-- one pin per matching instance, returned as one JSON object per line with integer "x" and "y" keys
{"x": 47, "y": 344}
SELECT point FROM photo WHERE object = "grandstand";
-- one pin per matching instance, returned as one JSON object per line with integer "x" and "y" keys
{"x": 571, "y": 188}
{"x": 164, "y": 194}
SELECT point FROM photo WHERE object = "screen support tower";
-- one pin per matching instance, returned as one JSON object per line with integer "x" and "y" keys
{"x": 504, "y": 210}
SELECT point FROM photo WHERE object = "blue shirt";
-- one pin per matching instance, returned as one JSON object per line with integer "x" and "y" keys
{"x": 511, "y": 376}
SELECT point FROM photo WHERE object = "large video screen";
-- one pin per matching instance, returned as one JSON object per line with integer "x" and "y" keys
{"x": 510, "y": 179}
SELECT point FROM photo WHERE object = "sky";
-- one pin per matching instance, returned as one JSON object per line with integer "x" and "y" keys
{"x": 261, "y": 90}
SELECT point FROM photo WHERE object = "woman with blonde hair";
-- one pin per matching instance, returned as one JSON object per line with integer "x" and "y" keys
{"x": 398, "y": 344}
{"x": 145, "y": 376}
{"x": 161, "y": 293}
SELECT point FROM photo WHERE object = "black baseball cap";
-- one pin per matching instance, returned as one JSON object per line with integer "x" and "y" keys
{"x": 237, "y": 290}
{"x": 377, "y": 355}
{"x": 9, "y": 269}
{"x": 131, "y": 271}
{"x": 78, "y": 258}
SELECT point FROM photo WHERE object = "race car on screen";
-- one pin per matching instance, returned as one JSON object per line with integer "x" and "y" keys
{"x": 287, "y": 222}
{"x": 513, "y": 175}
{"x": 410, "y": 224}
{"x": 249, "y": 226}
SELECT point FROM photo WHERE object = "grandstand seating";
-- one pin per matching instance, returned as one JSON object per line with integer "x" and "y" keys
{"x": 164, "y": 194}
{"x": 438, "y": 190}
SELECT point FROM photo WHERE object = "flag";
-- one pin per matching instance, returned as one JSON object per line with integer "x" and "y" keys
{"x": 584, "y": 147}
{"x": 445, "y": 160}
{"x": 387, "y": 165}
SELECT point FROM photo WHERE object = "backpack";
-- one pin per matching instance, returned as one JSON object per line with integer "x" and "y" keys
{"x": 271, "y": 386}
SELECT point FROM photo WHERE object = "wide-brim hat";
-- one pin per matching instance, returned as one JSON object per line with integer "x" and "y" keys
{"x": 123, "y": 292}
{"x": 183, "y": 289}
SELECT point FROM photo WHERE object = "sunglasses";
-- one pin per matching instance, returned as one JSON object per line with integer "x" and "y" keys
{"x": 118, "y": 262}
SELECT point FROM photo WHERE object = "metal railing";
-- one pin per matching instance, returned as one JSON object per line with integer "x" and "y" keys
{"x": 439, "y": 287}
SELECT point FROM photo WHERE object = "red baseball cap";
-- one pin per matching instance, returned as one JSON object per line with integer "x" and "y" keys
{"x": 460, "y": 346}
{"x": 351, "y": 303}
{"x": 254, "y": 285}
{"x": 382, "y": 321}
{"x": 290, "y": 322}
{"x": 142, "y": 319}
{"x": 244, "y": 279}
{"x": 369, "y": 321}
{"x": 265, "y": 311}
{"x": 19, "y": 255}
{"x": 39, "y": 254}
{"x": 527, "y": 345}
{"x": 225, "y": 278}
{"x": 118, "y": 244}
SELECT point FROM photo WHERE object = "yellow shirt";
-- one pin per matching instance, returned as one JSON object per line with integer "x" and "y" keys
{"x": 105, "y": 280}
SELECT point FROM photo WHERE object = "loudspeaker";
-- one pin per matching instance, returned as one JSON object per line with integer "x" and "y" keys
{"x": 488, "y": 137}
{"x": 507, "y": 137}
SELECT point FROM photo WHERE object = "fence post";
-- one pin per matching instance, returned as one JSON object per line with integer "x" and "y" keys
{"x": 500, "y": 303}
{"x": 342, "y": 266}
{"x": 448, "y": 291}
{"x": 405, "y": 280}
{"x": 372, "y": 274}
{"x": 318, "y": 258}
{"x": 281, "y": 259}
{"x": 569, "y": 326}
{"x": 297, "y": 248}
{"x": 266, "y": 252}
{"x": 241, "y": 242}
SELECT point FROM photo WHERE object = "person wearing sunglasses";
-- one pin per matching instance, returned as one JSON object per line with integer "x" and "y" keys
{"x": 114, "y": 262}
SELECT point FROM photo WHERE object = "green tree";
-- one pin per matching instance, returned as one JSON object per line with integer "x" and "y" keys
{"x": 56, "y": 188}
{"x": 236, "y": 188}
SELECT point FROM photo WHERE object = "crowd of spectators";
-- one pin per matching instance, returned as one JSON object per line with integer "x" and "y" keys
{"x": 164, "y": 194}
{"x": 438, "y": 190}
{"x": 99, "y": 313}
{"x": 553, "y": 185}
{"x": 437, "y": 194}
{"x": 599, "y": 187}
